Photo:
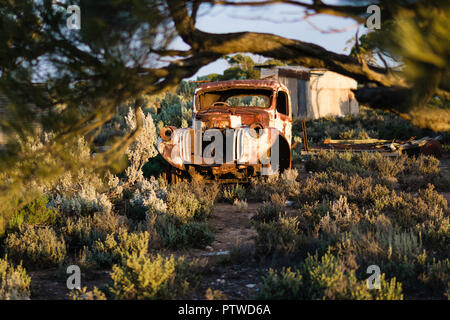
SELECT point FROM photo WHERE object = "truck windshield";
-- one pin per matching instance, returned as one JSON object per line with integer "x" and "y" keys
{"x": 258, "y": 98}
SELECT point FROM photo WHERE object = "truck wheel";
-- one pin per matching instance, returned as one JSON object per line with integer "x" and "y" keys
{"x": 284, "y": 157}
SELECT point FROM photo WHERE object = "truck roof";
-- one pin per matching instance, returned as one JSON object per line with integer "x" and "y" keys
{"x": 269, "y": 84}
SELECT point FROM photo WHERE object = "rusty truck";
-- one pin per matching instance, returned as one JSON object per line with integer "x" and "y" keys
{"x": 240, "y": 129}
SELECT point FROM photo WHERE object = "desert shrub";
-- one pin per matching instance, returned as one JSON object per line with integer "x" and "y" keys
{"x": 284, "y": 285}
{"x": 412, "y": 173}
{"x": 420, "y": 171}
{"x": 146, "y": 277}
{"x": 142, "y": 148}
{"x": 408, "y": 210}
{"x": 436, "y": 278}
{"x": 425, "y": 165}
{"x": 85, "y": 201}
{"x": 37, "y": 247}
{"x": 232, "y": 192}
{"x": 259, "y": 188}
{"x": 326, "y": 277}
{"x": 150, "y": 277}
{"x": 191, "y": 234}
{"x": 339, "y": 219}
{"x": 313, "y": 226}
{"x": 80, "y": 192}
{"x": 278, "y": 199}
{"x": 14, "y": 282}
{"x": 330, "y": 278}
{"x": 436, "y": 234}
{"x": 396, "y": 253}
{"x": 148, "y": 194}
{"x": 175, "y": 111}
{"x": 179, "y": 221}
{"x": 34, "y": 213}
{"x": 268, "y": 212}
{"x": 333, "y": 161}
{"x": 182, "y": 204}
{"x": 376, "y": 163}
{"x": 281, "y": 236}
{"x": 365, "y": 220}
{"x": 241, "y": 252}
{"x": 117, "y": 248}
{"x": 286, "y": 184}
{"x": 84, "y": 231}
{"x": 190, "y": 201}
{"x": 85, "y": 294}
{"x": 364, "y": 163}
{"x": 240, "y": 205}
{"x": 155, "y": 166}
{"x": 215, "y": 295}
{"x": 442, "y": 182}
{"x": 363, "y": 191}
{"x": 206, "y": 195}
{"x": 356, "y": 210}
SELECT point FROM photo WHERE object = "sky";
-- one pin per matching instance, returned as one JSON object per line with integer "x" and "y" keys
{"x": 282, "y": 20}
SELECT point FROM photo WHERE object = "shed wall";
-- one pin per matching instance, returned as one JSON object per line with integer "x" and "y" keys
{"x": 319, "y": 94}
{"x": 331, "y": 95}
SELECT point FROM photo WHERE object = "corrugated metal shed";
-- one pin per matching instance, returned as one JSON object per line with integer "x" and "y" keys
{"x": 315, "y": 93}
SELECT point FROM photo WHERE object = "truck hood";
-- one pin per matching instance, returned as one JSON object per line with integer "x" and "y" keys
{"x": 223, "y": 118}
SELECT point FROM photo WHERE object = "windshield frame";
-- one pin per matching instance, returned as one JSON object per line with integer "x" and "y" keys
{"x": 257, "y": 91}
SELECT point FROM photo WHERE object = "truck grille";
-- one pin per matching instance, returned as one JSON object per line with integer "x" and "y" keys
{"x": 186, "y": 145}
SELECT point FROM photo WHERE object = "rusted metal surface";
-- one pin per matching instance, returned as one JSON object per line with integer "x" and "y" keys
{"x": 233, "y": 141}
{"x": 270, "y": 84}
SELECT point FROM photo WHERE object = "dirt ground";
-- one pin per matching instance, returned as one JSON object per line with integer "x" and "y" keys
{"x": 50, "y": 284}
{"x": 237, "y": 277}
{"x": 230, "y": 227}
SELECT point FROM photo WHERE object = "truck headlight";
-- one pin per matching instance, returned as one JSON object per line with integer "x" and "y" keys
{"x": 166, "y": 133}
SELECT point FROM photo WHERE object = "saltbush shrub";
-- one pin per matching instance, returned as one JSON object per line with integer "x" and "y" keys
{"x": 326, "y": 277}
{"x": 268, "y": 212}
{"x": 191, "y": 234}
{"x": 286, "y": 184}
{"x": 190, "y": 201}
{"x": 436, "y": 278}
{"x": 35, "y": 213}
{"x": 84, "y": 231}
{"x": 14, "y": 282}
{"x": 116, "y": 249}
{"x": 279, "y": 236}
{"x": 284, "y": 285}
{"x": 353, "y": 206}
{"x": 232, "y": 192}
{"x": 240, "y": 205}
{"x": 37, "y": 247}
{"x": 150, "y": 277}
